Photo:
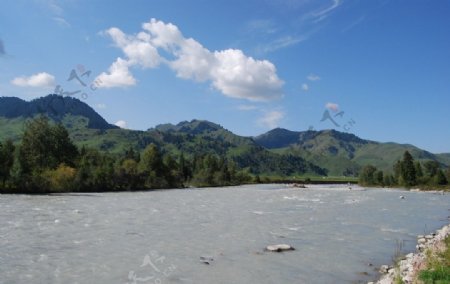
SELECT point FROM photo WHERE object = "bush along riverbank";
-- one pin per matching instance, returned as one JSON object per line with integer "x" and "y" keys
{"x": 429, "y": 264}
{"x": 407, "y": 173}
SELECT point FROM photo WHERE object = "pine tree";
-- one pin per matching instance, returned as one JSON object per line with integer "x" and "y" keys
{"x": 408, "y": 170}
{"x": 6, "y": 160}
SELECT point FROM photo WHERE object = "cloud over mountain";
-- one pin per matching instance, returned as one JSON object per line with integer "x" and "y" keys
{"x": 229, "y": 71}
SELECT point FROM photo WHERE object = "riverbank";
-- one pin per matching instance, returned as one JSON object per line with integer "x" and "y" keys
{"x": 408, "y": 268}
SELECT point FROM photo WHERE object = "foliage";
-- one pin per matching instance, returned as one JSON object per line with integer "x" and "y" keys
{"x": 48, "y": 161}
{"x": 438, "y": 268}
{"x": 367, "y": 175}
{"x": 60, "y": 179}
{"x": 407, "y": 172}
{"x": 6, "y": 160}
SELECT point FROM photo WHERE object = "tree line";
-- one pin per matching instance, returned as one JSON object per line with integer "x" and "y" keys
{"x": 46, "y": 160}
{"x": 406, "y": 172}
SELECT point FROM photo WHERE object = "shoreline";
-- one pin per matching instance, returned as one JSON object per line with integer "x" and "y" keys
{"x": 410, "y": 265}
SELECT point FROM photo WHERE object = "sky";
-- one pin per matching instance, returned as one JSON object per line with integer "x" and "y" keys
{"x": 376, "y": 69}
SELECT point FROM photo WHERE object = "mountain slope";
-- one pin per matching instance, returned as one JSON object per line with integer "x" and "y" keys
{"x": 341, "y": 153}
{"x": 197, "y": 137}
{"x": 55, "y": 107}
{"x": 277, "y": 152}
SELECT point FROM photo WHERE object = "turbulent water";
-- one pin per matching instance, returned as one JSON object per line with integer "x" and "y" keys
{"x": 171, "y": 236}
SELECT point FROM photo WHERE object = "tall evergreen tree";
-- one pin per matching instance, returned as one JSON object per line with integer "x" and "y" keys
{"x": 408, "y": 170}
{"x": 440, "y": 178}
{"x": 6, "y": 160}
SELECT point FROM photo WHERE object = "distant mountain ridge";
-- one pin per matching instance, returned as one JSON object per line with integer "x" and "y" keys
{"x": 279, "y": 151}
{"x": 341, "y": 153}
{"x": 53, "y": 106}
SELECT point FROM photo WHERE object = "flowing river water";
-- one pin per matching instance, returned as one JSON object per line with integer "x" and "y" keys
{"x": 212, "y": 235}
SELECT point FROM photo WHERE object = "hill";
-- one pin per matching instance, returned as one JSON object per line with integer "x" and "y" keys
{"x": 342, "y": 153}
{"x": 277, "y": 152}
{"x": 197, "y": 137}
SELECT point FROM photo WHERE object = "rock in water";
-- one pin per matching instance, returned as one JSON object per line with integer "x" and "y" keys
{"x": 206, "y": 260}
{"x": 279, "y": 248}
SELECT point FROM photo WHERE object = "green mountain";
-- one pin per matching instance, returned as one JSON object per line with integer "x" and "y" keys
{"x": 342, "y": 153}
{"x": 277, "y": 152}
{"x": 196, "y": 137}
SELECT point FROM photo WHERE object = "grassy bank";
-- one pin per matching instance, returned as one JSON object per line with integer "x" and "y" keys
{"x": 437, "y": 269}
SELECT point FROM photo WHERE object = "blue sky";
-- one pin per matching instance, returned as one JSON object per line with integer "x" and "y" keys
{"x": 380, "y": 68}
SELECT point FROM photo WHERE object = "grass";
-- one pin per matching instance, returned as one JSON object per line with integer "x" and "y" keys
{"x": 438, "y": 267}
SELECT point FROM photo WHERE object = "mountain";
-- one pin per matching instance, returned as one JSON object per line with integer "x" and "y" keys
{"x": 55, "y": 107}
{"x": 197, "y": 137}
{"x": 342, "y": 153}
{"x": 277, "y": 152}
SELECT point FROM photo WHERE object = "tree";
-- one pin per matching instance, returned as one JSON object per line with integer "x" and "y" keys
{"x": 379, "y": 178}
{"x": 128, "y": 174}
{"x": 418, "y": 167}
{"x": 65, "y": 152}
{"x": 440, "y": 178}
{"x": 431, "y": 168}
{"x": 152, "y": 167}
{"x": 398, "y": 172}
{"x": 60, "y": 179}
{"x": 367, "y": 175}
{"x": 408, "y": 170}
{"x": 388, "y": 180}
{"x": 45, "y": 146}
{"x": 6, "y": 160}
{"x": 36, "y": 148}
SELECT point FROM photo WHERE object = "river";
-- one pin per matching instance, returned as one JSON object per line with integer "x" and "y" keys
{"x": 212, "y": 235}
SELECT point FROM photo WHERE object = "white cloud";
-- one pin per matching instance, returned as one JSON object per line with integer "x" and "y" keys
{"x": 246, "y": 107}
{"x": 61, "y": 22}
{"x": 229, "y": 71}
{"x": 313, "y": 77}
{"x": 118, "y": 75}
{"x": 121, "y": 124}
{"x": 42, "y": 79}
{"x": 325, "y": 12}
{"x": 305, "y": 87}
{"x": 332, "y": 106}
{"x": 280, "y": 43}
{"x": 271, "y": 119}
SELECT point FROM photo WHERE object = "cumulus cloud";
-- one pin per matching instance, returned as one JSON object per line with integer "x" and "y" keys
{"x": 332, "y": 106}
{"x": 229, "y": 71}
{"x": 121, "y": 124}
{"x": 313, "y": 77}
{"x": 118, "y": 75}
{"x": 42, "y": 80}
{"x": 271, "y": 119}
{"x": 305, "y": 87}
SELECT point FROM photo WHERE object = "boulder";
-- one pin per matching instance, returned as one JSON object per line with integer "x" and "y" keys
{"x": 279, "y": 248}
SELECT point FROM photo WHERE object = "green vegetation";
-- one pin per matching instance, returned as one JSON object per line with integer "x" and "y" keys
{"x": 47, "y": 160}
{"x": 438, "y": 266}
{"x": 277, "y": 156}
{"x": 407, "y": 173}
